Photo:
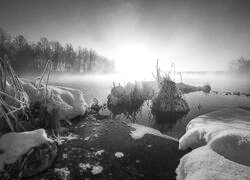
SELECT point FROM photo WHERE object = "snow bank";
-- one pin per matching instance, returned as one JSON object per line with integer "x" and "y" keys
{"x": 14, "y": 144}
{"x": 67, "y": 101}
{"x": 207, "y": 127}
{"x": 141, "y": 130}
{"x": 205, "y": 164}
{"x": 225, "y": 153}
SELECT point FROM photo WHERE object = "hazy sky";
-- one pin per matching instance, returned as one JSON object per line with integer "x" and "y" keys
{"x": 195, "y": 35}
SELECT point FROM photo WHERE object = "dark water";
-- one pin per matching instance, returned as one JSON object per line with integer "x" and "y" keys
{"x": 199, "y": 102}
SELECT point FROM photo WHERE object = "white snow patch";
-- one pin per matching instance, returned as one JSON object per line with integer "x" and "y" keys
{"x": 99, "y": 152}
{"x": 84, "y": 167}
{"x": 70, "y": 137}
{"x": 87, "y": 138}
{"x": 119, "y": 154}
{"x": 141, "y": 130}
{"x": 205, "y": 164}
{"x": 69, "y": 102}
{"x": 225, "y": 153}
{"x": 96, "y": 169}
{"x": 63, "y": 172}
{"x": 14, "y": 144}
{"x": 208, "y": 127}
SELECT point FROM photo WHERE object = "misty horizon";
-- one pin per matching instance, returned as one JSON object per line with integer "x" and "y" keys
{"x": 195, "y": 35}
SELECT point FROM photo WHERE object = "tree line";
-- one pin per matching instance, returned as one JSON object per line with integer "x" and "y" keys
{"x": 32, "y": 57}
{"x": 240, "y": 65}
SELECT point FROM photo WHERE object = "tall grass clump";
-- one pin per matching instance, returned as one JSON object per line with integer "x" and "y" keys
{"x": 127, "y": 100}
{"x": 14, "y": 101}
{"x": 169, "y": 99}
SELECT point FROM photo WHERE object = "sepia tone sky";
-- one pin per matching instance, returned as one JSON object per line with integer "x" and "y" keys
{"x": 195, "y": 35}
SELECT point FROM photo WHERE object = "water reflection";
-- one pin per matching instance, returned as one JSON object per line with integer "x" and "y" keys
{"x": 168, "y": 120}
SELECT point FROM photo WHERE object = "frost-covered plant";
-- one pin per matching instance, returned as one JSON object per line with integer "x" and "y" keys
{"x": 169, "y": 98}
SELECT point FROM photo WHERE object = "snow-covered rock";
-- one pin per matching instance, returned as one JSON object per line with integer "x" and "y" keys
{"x": 205, "y": 164}
{"x": 207, "y": 127}
{"x": 68, "y": 102}
{"x": 14, "y": 145}
{"x": 222, "y": 139}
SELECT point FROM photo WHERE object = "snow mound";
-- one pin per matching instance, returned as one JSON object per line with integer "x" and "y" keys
{"x": 14, "y": 145}
{"x": 208, "y": 127}
{"x": 234, "y": 146}
{"x": 141, "y": 130}
{"x": 67, "y": 101}
{"x": 223, "y": 141}
{"x": 205, "y": 164}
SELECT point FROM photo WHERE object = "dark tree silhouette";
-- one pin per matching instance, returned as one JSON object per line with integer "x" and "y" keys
{"x": 32, "y": 57}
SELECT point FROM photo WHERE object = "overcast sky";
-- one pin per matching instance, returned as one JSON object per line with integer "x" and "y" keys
{"x": 195, "y": 35}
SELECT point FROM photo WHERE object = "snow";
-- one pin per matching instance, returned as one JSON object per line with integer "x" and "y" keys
{"x": 96, "y": 170}
{"x": 87, "y": 138}
{"x": 208, "y": 127}
{"x": 20, "y": 144}
{"x": 84, "y": 167}
{"x": 67, "y": 101}
{"x": 222, "y": 139}
{"x": 63, "y": 172}
{"x": 119, "y": 154}
{"x": 205, "y": 164}
{"x": 70, "y": 137}
{"x": 141, "y": 130}
{"x": 99, "y": 152}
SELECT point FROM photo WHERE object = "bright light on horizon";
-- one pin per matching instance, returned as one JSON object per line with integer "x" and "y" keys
{"x": 135, "y": 59}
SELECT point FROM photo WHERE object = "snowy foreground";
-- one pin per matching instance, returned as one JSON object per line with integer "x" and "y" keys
{"x": 221, "y": 143}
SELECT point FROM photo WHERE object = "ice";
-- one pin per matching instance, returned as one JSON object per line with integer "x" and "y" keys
{"x": 96, "y": 170}
{"x": 222, "y": 139}
{"x": 119, "y": 154}
{"x": 205, "y": 164}
{"x": 141, "y": 130}
{"x": 14, "y": 144}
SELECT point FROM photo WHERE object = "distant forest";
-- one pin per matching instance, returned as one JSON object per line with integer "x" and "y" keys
{"x": 240, "y": 65}
{"x": 32, "y": 57}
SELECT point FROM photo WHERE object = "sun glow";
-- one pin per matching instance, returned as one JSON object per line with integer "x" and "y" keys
{"x": 135, "y": 61}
